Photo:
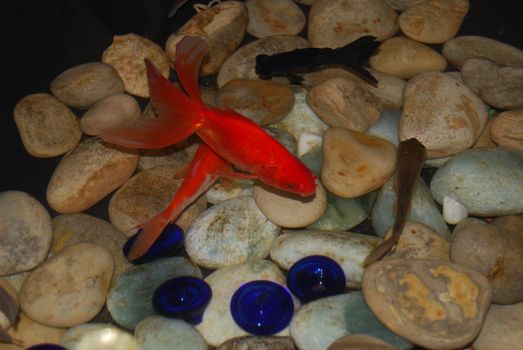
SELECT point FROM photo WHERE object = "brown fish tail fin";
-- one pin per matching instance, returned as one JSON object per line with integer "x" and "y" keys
{"x": 355, "y": 53}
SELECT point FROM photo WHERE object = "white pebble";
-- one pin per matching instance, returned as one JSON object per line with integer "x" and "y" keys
{"x": 453, "y": 211}
{"x": 307, "y": 142}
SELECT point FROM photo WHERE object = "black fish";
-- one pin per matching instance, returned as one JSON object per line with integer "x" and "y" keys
{"x": 303, "y": 60}
{"x": 411, "y": 156}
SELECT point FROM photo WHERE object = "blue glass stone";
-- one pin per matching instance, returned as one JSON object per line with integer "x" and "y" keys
{"x": 315, "y": 277}
{"x": 183, "y": 297}
{"x": 262, "y": 307}
{"x": 46, "y": 347}
{"x": 168, "y": 243}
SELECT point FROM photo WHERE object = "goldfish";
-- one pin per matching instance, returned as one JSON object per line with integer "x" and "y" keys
{"x": 230, "y": 141}
{"x": 410, "y": 159}
{"x": 349, "y": 56}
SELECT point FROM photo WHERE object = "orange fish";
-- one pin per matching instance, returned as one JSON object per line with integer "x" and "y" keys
{"x": 234, "y": 138}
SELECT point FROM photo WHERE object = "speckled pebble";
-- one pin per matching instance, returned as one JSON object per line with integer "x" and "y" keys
{"x": 178, "y": 156}
{"x": 258, "y": 343}
{"x": 223, "y": 190}
{"x": 160, "y": 333}
{"x": 401, "y": 5}
{"x": 46, "y": 126}
{"x": 99, "y": 336}
{"x": 26, "y": 232}
{"x": 223, "y": 234}
{"x": 70, "y": 288}
{"x": 272, "y": 17}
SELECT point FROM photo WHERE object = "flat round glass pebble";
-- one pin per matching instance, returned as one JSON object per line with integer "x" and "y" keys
{"x": 168, "y": 243}
{"x": 262, "y": 307}
{"x": 183, "y": 297}
{"x": 315, "y": 277}
{"x": 46, "y": 347}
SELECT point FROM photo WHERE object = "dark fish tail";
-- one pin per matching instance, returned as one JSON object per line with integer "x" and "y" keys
{"x": 354, "y": 54}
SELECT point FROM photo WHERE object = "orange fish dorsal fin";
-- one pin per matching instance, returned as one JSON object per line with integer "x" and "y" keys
{"x": 190, "y": 52}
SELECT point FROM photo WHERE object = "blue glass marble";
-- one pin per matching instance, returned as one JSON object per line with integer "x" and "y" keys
{"x": 183, "y": 297}
{"x": 315, "y": 277}
{"x": 168, "y": 243}
{"x": 46, "y": 347}
{"x": 262, "y": 307}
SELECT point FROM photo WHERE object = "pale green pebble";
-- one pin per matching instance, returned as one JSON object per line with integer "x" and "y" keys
{"x": 129, "y": 299}
{"x": 387, "y": 126}
{"x": 99, "y": 336}
{"x": 284, "y": 137}
{"x": 319, "y": 323}
{"x": 313, "y": 160}
{"x": 423, "y": 209}
{"x": 160, "y": 333}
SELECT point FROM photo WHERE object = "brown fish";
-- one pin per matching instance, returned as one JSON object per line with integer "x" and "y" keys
{"x": 411, "y": 156}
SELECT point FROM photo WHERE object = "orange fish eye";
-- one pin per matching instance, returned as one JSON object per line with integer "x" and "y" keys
{"x": 290, "y": 186}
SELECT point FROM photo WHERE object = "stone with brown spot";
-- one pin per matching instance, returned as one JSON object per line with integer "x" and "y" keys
{"x": 442, "y": 113}
{"x": 507, "y": 129}
{"x": 272, "y": 17}
{"x": 432, "y": 303}
{"x": 355, "y": 163}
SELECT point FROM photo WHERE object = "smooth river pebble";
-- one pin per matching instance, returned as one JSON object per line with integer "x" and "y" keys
{"x": 161, "y": 333}
{"x": 99, "y": 336}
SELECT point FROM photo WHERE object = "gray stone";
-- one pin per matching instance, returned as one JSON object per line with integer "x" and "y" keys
{"x": 160, "y": 333}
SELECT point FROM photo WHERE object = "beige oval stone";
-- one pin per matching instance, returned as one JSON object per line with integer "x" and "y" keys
{"x": 462, "y": 48}
{"x": 70, "y": 288}
{"x": 263, "y": 101}
{"x": 289, "y": 210}
{"x": 241, "y": 64}
{"x": 147, "y": 194}
{"x": 89, "y": 173}
{"x": 355, "y": 163}
{"x": 109, "y": 112}
{"x": 70, "y": 229}
{"x": 47, "y": 127}
{"x": 127, "y": 53}
{"x": 341, "y": 103}
{"x": 99, "y": 336}
{"x": 335, "y": 23}
{"x": 434, "y": 304}
{"x": 503, "y": 328}
{"x": 433, "y": 21}
{"x": 25, "y": 232}
{"x": 498, "y": 86}
{"x": 272, "y": 17}
{"x": 30, "y": 333}
{"x": 402, "y": 5}
{"x": 84, "y": 85}
{"x": 223, "y": 27}
{"x": 404, "y": 58}
{"x": 507, "y": 129}
{"x": 442, "y": 113}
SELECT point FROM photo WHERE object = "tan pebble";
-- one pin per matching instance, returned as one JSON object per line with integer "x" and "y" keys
{"x": 127, "y": 53}
{"x": 404, "y": 58}
{"x": 341, "y": 103}
{"x": 258, "y": 343}
{"x": 507, "y": 129}
{"x": 335, "y": 23}
{"x": 109, "y": 112}
{"x": 401, "y": 5}
{"x": 84, "y": 85}
{"x": 223, "y": 27}
{"x": 263, "y": 101}
{"x": 498, "y": 86}
{"x": 462, "y": 48}
{"x": 271, "y": 17}
{"x": 179, "y": 156}
{"x": 503, "y": 328}
{"x": 442, "y": 113}
{"x": 11, "y": 291}
{"x": 145, "y": 195}
{"x": 509, "y": 222}
{"x": 48, "y": 128}
{"x": 89, "y": 173}
{"x": 355, "y": 163}
{"x": 29, "y": 333}
{"x": 433, "y": 21}
{"x": 70, "y": 288}
{"x": 289, "y": 210}
{"x": 360, "y": 342}
{"x": 485, "y": 138}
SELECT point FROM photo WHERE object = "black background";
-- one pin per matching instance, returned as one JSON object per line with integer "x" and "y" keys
{"x": 42, "y": 38}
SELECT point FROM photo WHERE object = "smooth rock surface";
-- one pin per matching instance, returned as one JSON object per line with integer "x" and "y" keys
{"x": 487, "y": 181}
{"x": 272, "y": 17}
{"x": 129, "y": 300}
{"x": 26, "y": 232}
{"x": 218, "y": 325}
{"x": 87, "y": 174}
{"x": 99, "y": 336}
{"x": 433, "y": 21}
{"x": 258, "y": 343}
{"x": 223, "y": 235}
{"x": 360, "y": 342}
{"x": 404, "y": 58}
{"x": 355, "y": 163}
{"x": 178, "y": 156}
{"x": 442, "y": 113}
{"x": 346, "y": 248}
{"x": 507, "y": 129}
{"x": 319, "y": 323}
{"x": 8, "y": 288}
{"x": 70, "y": 288}
{"x": 31, "y": 333}
{"x": 387, "y": 126}
{"x": 84, "y": 85}
{"x": 160, "y": 333}
{"x": 224, "y": 190}
{"x": 47, "y": 127}
{"x": 434, "y": 304}
{"x": 401, "y": 5}
{"x": 290, "y": 210}
{"x": 503, "y": 328}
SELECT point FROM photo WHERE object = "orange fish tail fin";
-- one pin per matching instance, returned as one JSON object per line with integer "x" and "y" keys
{"x": 179, "y": 117}
{"x": 149, "y": 233}
{"x": 190, "y": 52}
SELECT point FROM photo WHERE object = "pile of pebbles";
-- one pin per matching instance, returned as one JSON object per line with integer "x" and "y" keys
{"x": 454, "y": 279}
